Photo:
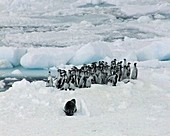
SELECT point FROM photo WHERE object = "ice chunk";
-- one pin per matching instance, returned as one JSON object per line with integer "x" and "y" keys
{"x": 2, "y": 84}
{"x": 157, "y": 50}
{"x": 144, "y": 19}
{"x": 46, "y": 57}
{"x": 16, "y": 72}
{"x": 5, "y": 64}
{"x": 12, "y": 55}
{"x": 90, "y": 53}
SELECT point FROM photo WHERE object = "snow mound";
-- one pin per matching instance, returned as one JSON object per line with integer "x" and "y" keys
{"x": 46, "y": 57}
{"x": 2, "y": 84}
{"x": 16, "y": 72}
{"x": 5, "y": 64}
{"x": 157, "y": 50}
{"x": 12, "y": 55}
{"x": 144, "y": 19}
{"x": 90, "y": 53}
{"x": 81, "y": 105}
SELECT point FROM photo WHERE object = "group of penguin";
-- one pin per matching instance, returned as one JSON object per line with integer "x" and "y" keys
{"x": 95, "y": 73}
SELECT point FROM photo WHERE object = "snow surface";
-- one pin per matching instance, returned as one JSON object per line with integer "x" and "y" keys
{"x": 141, "y": 107}
{"x": 11, "y": 55}
{"x": 61, "y": 33}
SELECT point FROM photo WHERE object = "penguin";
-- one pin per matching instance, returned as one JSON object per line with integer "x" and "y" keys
{"x": 77, "y": 77}
{"x": 100, "y": 77}
{"x": 64, "y": 83}
{"x": 58, "y": 79}
{"x": 89, "y": 81}
{"x": 70, "y": 107}
{"x": 119, "y": 72}
{"x": 113, "y": 79}
{"x": 95, "y": 78}
{"x": 82, "y": 81}
{"x": 72, "y": 83}
{"x": 49, "y": 80}
{"x": 128, "y": 70}
{"x": 134, "y": 74}
{"x": 124, "y": 62}
{"x": 124, "y": 72}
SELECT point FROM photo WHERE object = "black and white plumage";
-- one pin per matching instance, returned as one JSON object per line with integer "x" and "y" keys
{"x": 128, "y": 70}
{"x": 89, "y": 81}
{"x": 49, "y": 80}
{"x": 82, "y": 81}
{"x": 124, "y": 73}
{"x": 113, "y": 79}
{"x": 70, "y": 107}
{"x": 134, "y": 74}
{"x": 65, "y": 85}
{"x": 95, "y": 73}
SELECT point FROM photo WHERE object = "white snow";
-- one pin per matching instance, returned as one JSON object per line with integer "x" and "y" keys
{"x": 95, "y": 51}
{"x": 5, "y": 64}
{"x": 41, "y": 34}
{"x": 90, "y": 53}
{"x": 157, "y": 50}
{"x": 12, "y": 55}
{"x": 102, "y": 110}
{"x": 16, "y": 72}
{"x": 2, "y": 84}
{"x": 46, "y": 57}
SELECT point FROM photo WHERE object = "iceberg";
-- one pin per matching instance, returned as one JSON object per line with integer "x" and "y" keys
{"x": 5, "y": 64}
{"x": 89, "y": 53}
{"x": 157, "y": 50}
{"x": 39, "y": 58}
{"x": 11, "y": 56}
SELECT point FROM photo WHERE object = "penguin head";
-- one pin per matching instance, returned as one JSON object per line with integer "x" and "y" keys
{"x": 74, "y": 101}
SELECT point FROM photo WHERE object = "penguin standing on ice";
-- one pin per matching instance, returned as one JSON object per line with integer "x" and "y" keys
{"x": 49, "y": 80}
{"x": 89, "y": 81}
{"x": 134, "y": 74}
{"x": 72, "y": 83}
{"x": 119, "y": 72}
{"x": 113, "y": 79}
{"x": 128, "y": 70}
{"x": 65, "y": 84}
{"x": 124, "y": 72}
{"x": 124, "y": 62}
{"x": 82, "y": 80}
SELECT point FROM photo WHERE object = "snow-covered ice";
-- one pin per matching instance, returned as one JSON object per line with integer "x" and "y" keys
{"x": 37, "y": 35}
{"x": 140, "y": 107}
{"x": 11, "y": 55}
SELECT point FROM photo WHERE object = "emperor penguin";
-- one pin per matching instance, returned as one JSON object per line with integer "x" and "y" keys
{"x": 128, "y": 70}
{"x": 134, "y": 74}
{"x": 65, "y": 84}
{"x": 49, "y": 80}
{"x": 124, "y": 62}
{"x": 89, "y": 81}
{"x": 70, "y": 107}
{"x": 124, "y": 72}
{"x": 72, "y": 83}
{"x": 113, "y": 79}
{"x": 82, "y": 80}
